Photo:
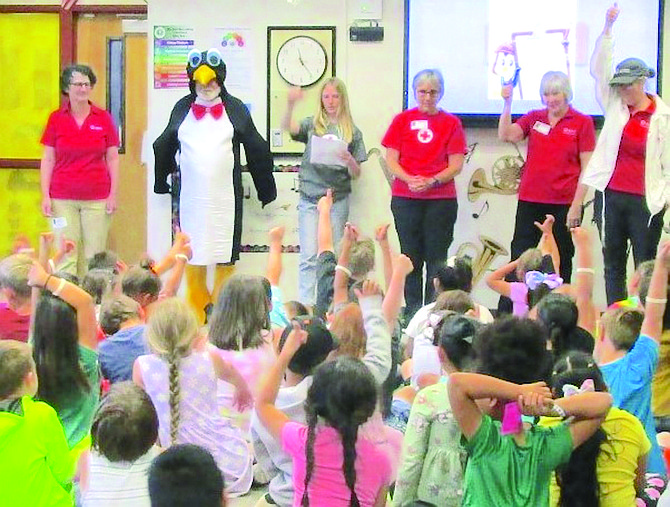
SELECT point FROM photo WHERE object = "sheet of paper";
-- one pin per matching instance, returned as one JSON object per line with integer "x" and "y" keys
{"x": 327, "y": 151}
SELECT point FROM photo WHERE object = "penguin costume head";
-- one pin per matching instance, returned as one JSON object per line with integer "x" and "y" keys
{"x": 206, "y": 73}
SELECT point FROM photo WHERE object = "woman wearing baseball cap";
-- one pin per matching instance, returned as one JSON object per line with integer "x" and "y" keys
{"x": 630, "y": 164}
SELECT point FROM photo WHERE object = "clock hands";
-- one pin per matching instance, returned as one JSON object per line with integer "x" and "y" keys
{"x": 303, "y": 63}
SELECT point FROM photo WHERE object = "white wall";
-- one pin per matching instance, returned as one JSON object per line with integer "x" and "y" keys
{"x": 373, "y": 73}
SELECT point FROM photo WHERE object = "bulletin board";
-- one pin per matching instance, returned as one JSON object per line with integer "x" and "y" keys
{"x": 277, "y": 88}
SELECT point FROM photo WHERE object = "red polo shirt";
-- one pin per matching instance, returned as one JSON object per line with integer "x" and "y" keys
{"x": 552, "y": 169}
{"x": 425, "y": 142}
{"x": 80, "y": 171}
{"x": 13, "y": 326}
{"x": 628, "y": 173}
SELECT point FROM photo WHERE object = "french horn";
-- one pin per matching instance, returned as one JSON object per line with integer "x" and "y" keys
{"x": 483, "y": 258}
{"x": 506, "y": 174}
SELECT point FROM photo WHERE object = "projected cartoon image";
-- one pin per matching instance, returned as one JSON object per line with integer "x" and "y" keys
{"x": 505, "y": 65}
{"x": 525, "y": 43}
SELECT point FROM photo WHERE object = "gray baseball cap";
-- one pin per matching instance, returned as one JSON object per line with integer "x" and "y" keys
{"x": 630, "y": 70}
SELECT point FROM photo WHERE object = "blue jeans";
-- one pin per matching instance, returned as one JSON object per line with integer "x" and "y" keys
{"x": 308, "y": 221}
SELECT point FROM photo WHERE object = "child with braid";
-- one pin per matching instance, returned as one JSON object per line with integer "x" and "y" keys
{"x": 180, "y": 377}
{"x": 333, "y": 464}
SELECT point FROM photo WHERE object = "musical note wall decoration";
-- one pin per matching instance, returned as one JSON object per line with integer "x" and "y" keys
{"x": 485, "y": 208}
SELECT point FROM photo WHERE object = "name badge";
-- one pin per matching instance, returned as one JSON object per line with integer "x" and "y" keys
{"x": 59, "y": 222}
{"x": 419, "y": 124}
{"x": 541, "y": 127}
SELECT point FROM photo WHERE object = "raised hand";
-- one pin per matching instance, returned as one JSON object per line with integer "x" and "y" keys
{"x": 37, "y": 276}
{"x": 404, "y": 264}
{"x": 369, "y": 288}
{"x": 326, "y": 202}
{"x": 381, "y": 233}
{"x": 611, "y": 15}
{"x": 547, "y": 226}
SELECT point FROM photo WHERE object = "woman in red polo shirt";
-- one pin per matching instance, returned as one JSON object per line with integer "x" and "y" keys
{"x": 80, "y": 166}
{"x": 630, "y": 164}
{"x": 560, "y": 143}
{"x": 425, "y": 150}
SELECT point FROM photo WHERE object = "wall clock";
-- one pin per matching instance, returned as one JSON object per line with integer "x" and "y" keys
{"x": 301, "y": 61}
{"x": 297, "y": 56}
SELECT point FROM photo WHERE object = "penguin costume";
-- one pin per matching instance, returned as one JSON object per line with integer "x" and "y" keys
{"x": 200, "y": 148}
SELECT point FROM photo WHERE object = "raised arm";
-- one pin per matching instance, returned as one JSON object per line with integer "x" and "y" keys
{"x": 465, "y": 388}
{"x": 340, "y": 288}
{"x": 496, "y": 280}
{"x": 378, "y": 344}
{"x": 654, "y": 307}
{"x": 274, "y": 268}
{"x": 324, "y": 235}
{"x": 382, "y": 238}
{"x": 547, "y": 244}
{"x": 508, "y": 131}
{"x": 268, "y": 414}
{"x": 601, "y": 60}
{"x": 76, "y": 297}
{"x": 288, "y": 123}
{"x": 584, "y": 275}
{"x": 396, "y": 289}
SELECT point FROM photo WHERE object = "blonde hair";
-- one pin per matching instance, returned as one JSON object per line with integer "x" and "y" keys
{"x": 171, "y": 332}
{"x": 454, "y": 300}
{"x": 530, "y": 260}
{"x": 622, "y": 326}
{"x": 347, "y": 327}
{"x": 344, "y": 120}
{"x": 241, "y": 313}
{"x": 362, "y": 257}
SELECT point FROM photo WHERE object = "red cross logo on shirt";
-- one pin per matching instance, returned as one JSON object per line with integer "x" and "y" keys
{"x": 425, "y": 135}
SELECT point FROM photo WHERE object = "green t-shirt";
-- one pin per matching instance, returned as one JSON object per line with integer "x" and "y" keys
{"x": 36, "y": 466}
{"x": 77, "y": 410}
{"x": 502, "y": 473}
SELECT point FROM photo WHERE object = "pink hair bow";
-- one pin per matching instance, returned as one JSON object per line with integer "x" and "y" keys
{"x": 535, "y": 278}
{"x": 587, "y": 387}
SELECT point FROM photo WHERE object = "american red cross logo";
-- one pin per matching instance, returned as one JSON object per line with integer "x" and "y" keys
{"x": 425, "y": 135}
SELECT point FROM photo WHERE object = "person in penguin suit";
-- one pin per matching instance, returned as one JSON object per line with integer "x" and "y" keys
{"x": 201, "y": 144}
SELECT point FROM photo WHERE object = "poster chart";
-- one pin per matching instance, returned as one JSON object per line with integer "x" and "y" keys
{"x": 171, "y": 47}
{"x": 235, "y": 45}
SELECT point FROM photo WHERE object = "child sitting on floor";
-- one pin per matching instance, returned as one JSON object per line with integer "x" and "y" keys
{"x": 35, "y": 462}
{"x": 510, "y": 464}
{"x": 627, "y": 350}
{"x": 123, "y": 434}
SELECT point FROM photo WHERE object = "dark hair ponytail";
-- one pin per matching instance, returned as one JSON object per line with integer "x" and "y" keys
{"x": 577, "y": 479}
{"x": 344, "y": 393}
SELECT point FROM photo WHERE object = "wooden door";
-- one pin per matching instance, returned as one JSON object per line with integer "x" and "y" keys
{"x": 96, "y": 36}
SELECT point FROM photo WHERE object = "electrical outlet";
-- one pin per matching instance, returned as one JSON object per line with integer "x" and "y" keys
{"x": 277, "y": 138}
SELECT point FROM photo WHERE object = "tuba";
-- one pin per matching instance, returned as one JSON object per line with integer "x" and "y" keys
{"x": 481, "y": 258}
{"x": 506, "y": 173}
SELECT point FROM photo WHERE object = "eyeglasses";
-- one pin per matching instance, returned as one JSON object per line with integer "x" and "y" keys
{"x": 81, "y": 85}
{"x": 430, "y": 93}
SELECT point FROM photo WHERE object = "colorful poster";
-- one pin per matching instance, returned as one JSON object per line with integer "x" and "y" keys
{"x": 171, "y": 47}
{"x": 237, "y": 52}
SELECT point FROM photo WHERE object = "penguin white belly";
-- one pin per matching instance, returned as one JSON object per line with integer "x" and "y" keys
{"x": 207, "y": 197}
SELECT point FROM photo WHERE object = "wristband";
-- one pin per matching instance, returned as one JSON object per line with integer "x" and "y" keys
{"x": 558, "y": 411}
{"x": 344, "y": 270}
{"x": 52, "y": 265}
{"x": 60, "y": 287}
{"x": 181, "y": 256}
{"x": 590, "y": 271}
{"x": 47, "y": 281}
{"x": 656, "y": 300}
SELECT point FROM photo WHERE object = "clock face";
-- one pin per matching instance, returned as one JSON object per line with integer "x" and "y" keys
{"x": 301, "y": 61}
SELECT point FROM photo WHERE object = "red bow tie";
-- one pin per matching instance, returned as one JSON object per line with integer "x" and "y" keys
{"x": 199, "y": 111}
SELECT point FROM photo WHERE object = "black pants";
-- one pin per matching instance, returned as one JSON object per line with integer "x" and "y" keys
{"x": 527, "y": 235}
{"x": 622, "y": 218}
{"x": 425, "y": 228}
